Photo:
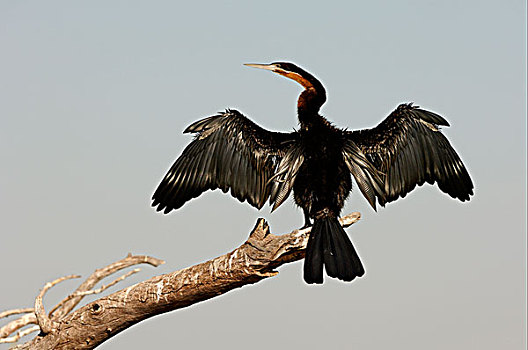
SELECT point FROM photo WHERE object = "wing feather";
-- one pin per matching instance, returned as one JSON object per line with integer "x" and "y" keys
{"x": 367, "y": 177}
{"x": 284, "y": 177}
{"x": 229, "y": 152}
{"x": 408, "y": 149}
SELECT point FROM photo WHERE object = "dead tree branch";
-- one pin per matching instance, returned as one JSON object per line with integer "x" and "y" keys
{"x": 98, "y": 275}
{"x": 19, "y": 335}
{"x": 94, "y": 323}
{"x": 44, "y": 322}
{"x": 16, "y": 311}
{"x": 15, "y": 325}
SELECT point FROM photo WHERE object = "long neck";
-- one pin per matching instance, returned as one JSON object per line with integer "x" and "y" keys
{"x": 310, "y": 100}
{"x": 309, "y": 103}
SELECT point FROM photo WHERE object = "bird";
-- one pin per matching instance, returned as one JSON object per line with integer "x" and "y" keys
{"x": 317, "y": 162}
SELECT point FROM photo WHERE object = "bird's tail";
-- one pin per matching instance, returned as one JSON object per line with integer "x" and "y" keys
{"x": 329, "y": 245}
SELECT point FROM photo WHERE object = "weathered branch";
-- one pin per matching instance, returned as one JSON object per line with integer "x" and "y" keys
{"x": 16, "y": 311}
{"x": 93, "y": 291}
{"x": 253, "y": 261}
{"x": 46, "y": 323}
{"x": 19, "y": 335}
{"x": 98, "y": 275}
{"x": 15, "y": 325}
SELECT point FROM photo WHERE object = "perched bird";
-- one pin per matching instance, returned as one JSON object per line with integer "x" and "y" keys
{"x": 231, "y": 152}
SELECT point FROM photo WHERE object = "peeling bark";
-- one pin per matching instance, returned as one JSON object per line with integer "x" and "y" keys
{"x": 253, "y": 261}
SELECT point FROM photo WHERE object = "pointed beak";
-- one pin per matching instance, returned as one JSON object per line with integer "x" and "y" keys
{"x": 270, "y": 67}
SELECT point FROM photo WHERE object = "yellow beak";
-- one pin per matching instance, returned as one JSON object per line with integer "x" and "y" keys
{"x": 270, "y": 67}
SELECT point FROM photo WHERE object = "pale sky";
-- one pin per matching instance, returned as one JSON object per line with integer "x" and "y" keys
{"x": 94, "y": 97}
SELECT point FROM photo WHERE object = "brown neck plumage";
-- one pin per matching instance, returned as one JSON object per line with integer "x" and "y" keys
{"x": 310, "y": 100}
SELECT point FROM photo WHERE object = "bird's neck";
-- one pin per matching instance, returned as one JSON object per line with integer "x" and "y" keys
{"x": 308, "y": 105}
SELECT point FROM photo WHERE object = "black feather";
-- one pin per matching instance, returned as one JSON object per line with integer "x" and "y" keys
{"x": 317, "y": 162}
{"x": 330, "y": 246}
{"x": 413, "y": 151}
{"x": 227, "y": 153}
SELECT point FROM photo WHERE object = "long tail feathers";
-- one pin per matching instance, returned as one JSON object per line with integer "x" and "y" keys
{"x": 330, "y": 246}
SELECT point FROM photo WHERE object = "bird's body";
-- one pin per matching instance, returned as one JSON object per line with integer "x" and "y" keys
{"x": 323, "y": 182}
{"x": 232, "y": 153}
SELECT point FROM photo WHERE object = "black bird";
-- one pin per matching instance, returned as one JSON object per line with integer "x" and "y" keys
{"x": 231, "y": 152}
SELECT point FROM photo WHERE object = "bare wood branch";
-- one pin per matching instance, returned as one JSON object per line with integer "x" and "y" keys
{"x": 98, "y": 275}
{"x": 253, "y": 261}
{"x": 45, "y": 323}
{"x": 19, "y": 335}
{"x": 15, "y": 325}
{"x": 8, "y": 313}
{"x": 94, "y": 291}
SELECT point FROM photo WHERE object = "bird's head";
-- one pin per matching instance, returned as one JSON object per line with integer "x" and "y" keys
{"x": 289, "y": 70}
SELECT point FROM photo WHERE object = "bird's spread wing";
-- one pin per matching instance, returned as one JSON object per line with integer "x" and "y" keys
{"x": 408, "y": 149}
{"x": 229, "y": 152}
{"x": 368, "y": 178}
{"x": 286, "y": 171}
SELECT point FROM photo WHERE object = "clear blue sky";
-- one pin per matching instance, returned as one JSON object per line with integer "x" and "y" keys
{"x": 94, "y": 97}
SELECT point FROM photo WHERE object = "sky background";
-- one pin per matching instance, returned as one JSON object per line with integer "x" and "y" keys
{"x": 94, "y": 97}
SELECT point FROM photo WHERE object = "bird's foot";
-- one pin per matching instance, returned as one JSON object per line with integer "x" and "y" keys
{"x": 306, "y": 225}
